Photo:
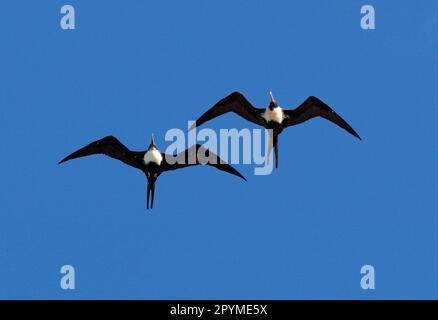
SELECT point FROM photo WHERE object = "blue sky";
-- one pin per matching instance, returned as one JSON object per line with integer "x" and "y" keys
{"x": 334, "y": 204}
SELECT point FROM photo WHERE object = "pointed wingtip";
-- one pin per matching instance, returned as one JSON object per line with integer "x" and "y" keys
{"x": 357, "y": 135}
{"x": 351, "y": 131}
{"x": 241, "y": 175}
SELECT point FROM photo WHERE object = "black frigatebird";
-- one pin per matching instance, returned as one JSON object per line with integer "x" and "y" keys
{"x": 274, "y": 117}
{"x": 152, "y": 162}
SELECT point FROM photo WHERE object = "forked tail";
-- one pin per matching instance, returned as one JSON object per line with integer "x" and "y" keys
{"x": 150, "y": 194}
{"x": 276, "y": 149}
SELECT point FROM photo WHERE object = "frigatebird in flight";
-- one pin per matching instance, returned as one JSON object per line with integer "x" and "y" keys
{"x": 152, "y": 162}
{"x": 274, "y": 117}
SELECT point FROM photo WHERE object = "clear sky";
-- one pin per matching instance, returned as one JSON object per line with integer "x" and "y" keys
{"x": 133, "y": 68}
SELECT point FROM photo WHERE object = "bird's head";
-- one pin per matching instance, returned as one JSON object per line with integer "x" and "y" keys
{"x": 272, "y": 104}
{"x": 152, "y": 144}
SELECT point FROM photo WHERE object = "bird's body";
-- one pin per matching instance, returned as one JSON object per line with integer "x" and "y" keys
{"x": 153, "y": 156}
{"x": 274, "y": 117}
{"x": 152, "y": 162}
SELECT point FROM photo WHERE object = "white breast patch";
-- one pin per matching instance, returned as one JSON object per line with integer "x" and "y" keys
{"x": 153, "y": 155}
{"x": 275, "y": 115}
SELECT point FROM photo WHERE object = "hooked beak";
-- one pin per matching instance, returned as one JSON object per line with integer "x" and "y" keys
{"x": 272, "y": 98}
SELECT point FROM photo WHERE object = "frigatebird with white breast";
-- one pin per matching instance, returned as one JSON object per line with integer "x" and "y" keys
{"x": 152, "y": 162}
{"x": 274, "y": 117}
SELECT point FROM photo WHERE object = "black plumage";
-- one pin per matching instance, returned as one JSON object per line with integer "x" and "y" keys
{"x": 312, "y": 107}
{"x": 112, "y": 147}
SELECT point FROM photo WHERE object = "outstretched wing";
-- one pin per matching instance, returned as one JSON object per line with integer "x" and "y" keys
{"x": 196, "y": 155}
{"x": 112, "y": 147}
{"x": 236, "y": 103}
{"x": 313, "y": 107}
